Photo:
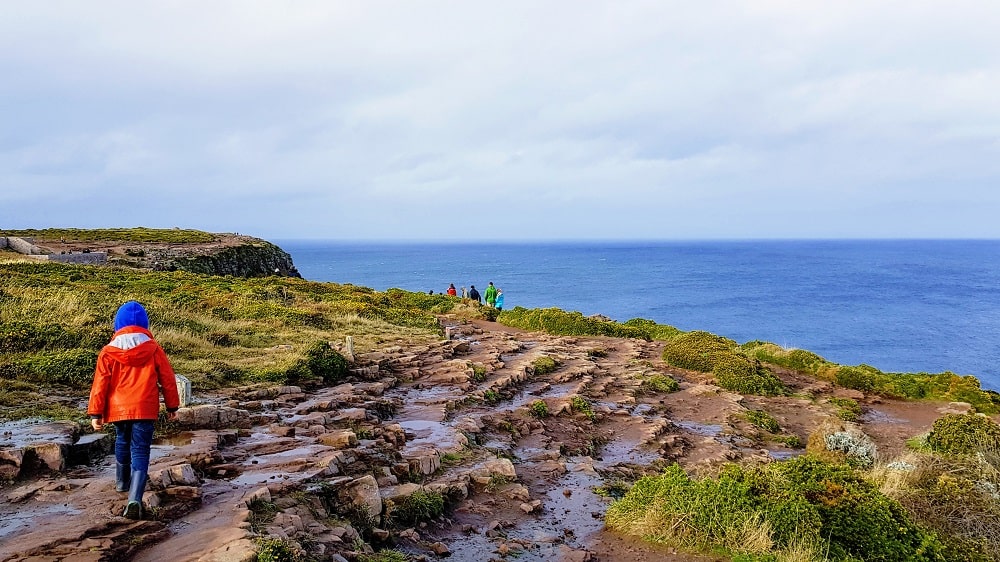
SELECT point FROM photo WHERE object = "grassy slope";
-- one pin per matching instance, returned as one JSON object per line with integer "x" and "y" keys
{"x": 218, "y": 331}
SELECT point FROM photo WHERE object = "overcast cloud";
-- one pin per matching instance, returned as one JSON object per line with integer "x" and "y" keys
{"x": 518, "y": 120}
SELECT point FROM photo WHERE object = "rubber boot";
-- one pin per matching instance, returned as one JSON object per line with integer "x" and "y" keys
{"x": 122, "y": 477}
{"x": 133, "y": 509}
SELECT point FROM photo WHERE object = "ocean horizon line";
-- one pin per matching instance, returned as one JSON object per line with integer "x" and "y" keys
{"x": 613, "y": 241}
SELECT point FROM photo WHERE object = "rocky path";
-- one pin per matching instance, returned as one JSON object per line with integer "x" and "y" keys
{"x": 516, "y": 431}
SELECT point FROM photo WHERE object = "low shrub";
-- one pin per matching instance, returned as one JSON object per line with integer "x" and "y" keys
{"x": 746, "y": 376}
{"x": 763, "y": 420}
{"x": 324, "y": 361}
{"x": 659, "y": 383}
{"x": 275, "y": 550}
{"x": 544, "y": 365}
{"x": 418, "y": 507}
{"x": 848, "y": 409}
{"x": 581, "y": 405}
{"x": 561, "y": 322}
{"x": 388, "y": 555}
{"x": 698, "y": 351}
{"x": 956, "y": 496}
{"x": 73, "y": 367}
{"x": 771, "y": 510}
{"x": 539, "y": 409}
{"x": 964, "y": 434}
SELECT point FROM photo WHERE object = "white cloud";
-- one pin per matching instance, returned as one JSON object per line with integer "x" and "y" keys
{"x": 598, "y": 112}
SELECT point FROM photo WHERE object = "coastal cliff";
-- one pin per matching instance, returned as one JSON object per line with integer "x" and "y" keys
{"x": 157, "y": 249}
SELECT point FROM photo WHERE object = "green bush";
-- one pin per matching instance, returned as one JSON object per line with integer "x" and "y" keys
{"x": 763, "y": 420}
{"x": 659, "y": 383}
{"x": 560, "y": 322}
{"x": 418, "y": 507}
{"x": 324, "y": 361}
{"x": 539, "y": 409}
{"x": 275, "y": 550}
{"x": 544, "y": 365}
{"x": 583, "y": 406}
{"x": 74, "y": 367}
{"x": 746, "y": 376}
{"x": 698, "y": 351}
{"x": 798, "y": 359}
{"x": 847, "y": 408}
{"x": 801, "y": 502}
{"x": 964, "y": 434}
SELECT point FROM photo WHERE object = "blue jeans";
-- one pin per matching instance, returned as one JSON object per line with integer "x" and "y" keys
{"x": 133, "y": 443}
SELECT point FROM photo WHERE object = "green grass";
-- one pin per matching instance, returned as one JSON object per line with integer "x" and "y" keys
{"x": 544, "y": 365}
{"x": 583, "y": 406}
{"x": 218, "y": 331}
{"x": 151, "y": 235}
{"x": 416, "y": 508}
{"x": 847, "y": 409}
{"x": 539, "y": 409}
{"x": 763, "y": 420}
{"x": 560, "y": 322}
{"x": 802, "y": 509}
{"x": 659, "y": 384}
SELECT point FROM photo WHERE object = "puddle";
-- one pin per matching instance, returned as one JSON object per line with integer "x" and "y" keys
{"x": 427, "y": 433}
{"x": 784, "y": 455}
{"x": 21, "y": 433}
{"x": 179, "y": 440}
{"x": 568, "y": 520}
{"x": 12, "y": 523}
{"x": 706, "y": 429}
{"x": 876, "y": 416}
{"x": 263, "y": 477}
{"x": 626, "y": 447}
{"x": 643, "y": 410}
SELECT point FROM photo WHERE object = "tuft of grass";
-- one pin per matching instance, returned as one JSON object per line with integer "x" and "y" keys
{"x": 544, "y": 365}
{"x": 763, "y": 420}
{"x": 964, "y": 434}
{"x": 560, "y": 322}
{"x": 582, "y": 405}
{"x": 801, "y": 507}
{"x": 416, "y": 508}
{"x": 388, "y": 555}
{"x": 539, "y": 409}
{"x": 659, "y": 384}
{"x": 848, "y": 409}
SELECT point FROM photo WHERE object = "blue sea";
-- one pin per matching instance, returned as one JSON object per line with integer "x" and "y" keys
{"x": 901, "y": 306}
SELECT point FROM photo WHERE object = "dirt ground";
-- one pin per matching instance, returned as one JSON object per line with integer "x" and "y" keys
{"x": 461, "y": 418}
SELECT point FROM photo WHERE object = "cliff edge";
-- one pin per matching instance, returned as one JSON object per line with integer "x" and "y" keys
{"x": 158, "y": 249}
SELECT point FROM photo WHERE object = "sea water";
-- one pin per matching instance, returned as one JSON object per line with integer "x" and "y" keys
{"x": 901, "y": 306}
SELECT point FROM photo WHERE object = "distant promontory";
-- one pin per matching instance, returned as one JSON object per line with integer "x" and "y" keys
{"x": 157, "y": 249}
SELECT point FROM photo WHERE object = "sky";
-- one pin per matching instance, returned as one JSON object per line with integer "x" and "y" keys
{"x": 551, "y": 120}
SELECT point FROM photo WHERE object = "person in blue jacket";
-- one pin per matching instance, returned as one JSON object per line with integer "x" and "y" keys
{"x": 474, "y": 294}
{"x": 498, "y": 304}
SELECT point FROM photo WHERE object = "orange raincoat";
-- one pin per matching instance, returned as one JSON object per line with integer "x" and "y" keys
{"x": 128, "y": 381}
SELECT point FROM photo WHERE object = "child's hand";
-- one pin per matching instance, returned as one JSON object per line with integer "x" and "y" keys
{"x": 96, "y": 423}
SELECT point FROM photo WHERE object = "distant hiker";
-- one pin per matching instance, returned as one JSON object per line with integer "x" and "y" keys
{"x": 465, "y": 294}
{"x": 490, "y": 294}
{"x": 499, "y": 302}
{"x": 131, "y": 372}
{"x": 474, "y": 294}
{"x": 431, "y": 292}
{"x": 451, "y": 290}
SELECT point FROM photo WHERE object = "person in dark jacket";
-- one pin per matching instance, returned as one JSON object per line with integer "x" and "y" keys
{"x": 474, "y": 294}
{"x": 131, "y": 372}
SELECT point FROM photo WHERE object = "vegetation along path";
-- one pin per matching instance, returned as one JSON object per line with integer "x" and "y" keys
{"x": 495, "y": 443}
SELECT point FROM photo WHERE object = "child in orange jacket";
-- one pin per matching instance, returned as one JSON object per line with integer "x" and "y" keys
{"x": 131, "y": 372}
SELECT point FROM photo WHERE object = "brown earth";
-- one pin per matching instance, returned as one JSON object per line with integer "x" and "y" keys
{"x": 311, "y": 462}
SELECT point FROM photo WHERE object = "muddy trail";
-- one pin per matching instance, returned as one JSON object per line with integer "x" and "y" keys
{"x": 523, "y": 439}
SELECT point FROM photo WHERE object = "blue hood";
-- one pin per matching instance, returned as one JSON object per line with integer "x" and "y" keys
{"x": 131, "y": 314}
